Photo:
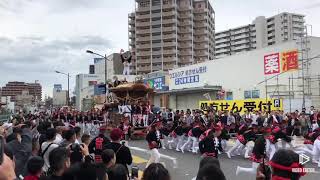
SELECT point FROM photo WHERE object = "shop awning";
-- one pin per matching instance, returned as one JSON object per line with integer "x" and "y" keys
{"x": 192, "y": 90}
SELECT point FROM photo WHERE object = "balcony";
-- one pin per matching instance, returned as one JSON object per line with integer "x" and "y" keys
{"x": 184, "y": 30}
{"x": 201, "y": 53}
{"x": 144, "y": 69}
{"x": 156, "y": 53}
{"x": 157, "y": 37}
{"x": 168, "y": 67}
{"x": 202, "y": 39}
{"x": 170, "y": 13}
{"x": 168, "y": 21}
{"x": 202, "y": 46}
{"x": 200, "y": 11}
{"x": 156, "y": 30}
{"x": 200, "y": 25}
{"x": 131, "y": 22}
{"x": 154, "y": 15}
{"x": 143, "y": 39}
{"x": 143, "y": 53}
{"x": 169, "y": 59}
{"x": 169, "y": 36}
{"x": 185, "y": 38}
{"x": 131, "y": 28}
{"x": 169, "y": 29}
{"x": 223, "y": 50}
{"x": 169, "y": 51}
{"x": 169, "y": 6}
{"x": 156, "y": 60}
{"x": 185, "y": 8}
{"x": 185, "y": 45}
{"x": 156, "y": 45}
{"x": 156, "y": 68}
{"x": 157, "y": 22}
{"x": 185, "y": 53}
{"x": 143, "y": 46}
{"x": 241, "y": 36}
{"x": 131, "y": 15}
{"x": 143, "y": 31}
{"x": 169, "y": 44}
{"x": 143, "y": 24}
{"x": 143, "y": 9}
{"x": 146, "y": 16}
{"x": 185, "y": 16}
{"x": 200, "y": 32}
{"x": 186, "y": 23}
{"x": 143, "y": 61}
{"x": 200, "y": 18}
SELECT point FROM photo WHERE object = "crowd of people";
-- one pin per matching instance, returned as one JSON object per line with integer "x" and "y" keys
{"x": 62, "y": 145}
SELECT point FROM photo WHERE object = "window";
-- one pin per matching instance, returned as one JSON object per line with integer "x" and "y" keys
{"x": 256, "y": 94}
{"x": 229, "y": 96}
{"x": 247, "y": 95}
{"x": 199, "y": 5}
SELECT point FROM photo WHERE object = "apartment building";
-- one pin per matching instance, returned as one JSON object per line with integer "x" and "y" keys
{"x": 164, "y": 34}
{"x": 262, "y": 32}
{"x": 16, "y": 88}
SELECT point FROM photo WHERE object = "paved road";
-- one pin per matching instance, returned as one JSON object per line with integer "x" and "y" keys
{"x": 187, "y": 164}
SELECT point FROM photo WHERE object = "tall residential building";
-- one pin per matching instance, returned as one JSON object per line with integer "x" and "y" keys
{"x": 164, "y": 34}
{"x": 16, "y": 88}
{"x": 261, "y": 33}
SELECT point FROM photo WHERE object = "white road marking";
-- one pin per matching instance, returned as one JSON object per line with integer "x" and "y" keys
{"x": 173, "y": 159}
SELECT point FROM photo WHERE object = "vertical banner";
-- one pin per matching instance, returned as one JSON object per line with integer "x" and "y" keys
{"x": 289, "y": 61}
{"x": 272, "y": 64}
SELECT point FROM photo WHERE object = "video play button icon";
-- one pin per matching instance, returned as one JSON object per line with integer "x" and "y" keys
{"x": 303, "y": 159}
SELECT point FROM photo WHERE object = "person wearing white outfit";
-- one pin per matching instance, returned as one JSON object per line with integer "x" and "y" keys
{"x": 154, "y": 142}
{"x": 257, "y": 157}
{"x": 193, "y": 136}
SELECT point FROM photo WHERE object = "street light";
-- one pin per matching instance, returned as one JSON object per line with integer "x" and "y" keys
{"x": 68, "y": 99}
{"x": 105, "y": 63}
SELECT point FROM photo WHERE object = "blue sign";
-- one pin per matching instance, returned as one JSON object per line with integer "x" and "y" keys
{"x": 188, "y": 76}
{"x": 99, "y": 89}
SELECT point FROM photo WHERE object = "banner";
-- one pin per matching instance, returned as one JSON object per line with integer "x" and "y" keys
{"x": 276, "y": 63}
{"x": 271, "y": 64}
{"x": 289, "y": 61}
{"x": 242, "y": 105}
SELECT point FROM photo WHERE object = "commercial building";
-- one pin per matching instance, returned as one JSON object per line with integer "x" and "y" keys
{"x": 15, "y": 88}
{"x": 279, "y": 71}
{"x": 59, "y": 96}
{"x": 164, "y": 34}
{"x": 83, "y": 83}
{"x": 262, "y": 32}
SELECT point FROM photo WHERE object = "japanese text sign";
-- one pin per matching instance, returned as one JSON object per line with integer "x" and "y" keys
{"x": 272, "y": 64}
{"x": 188, "y": 76}
{"x": 289, "y": 61}
{"x": 242, "y": 105}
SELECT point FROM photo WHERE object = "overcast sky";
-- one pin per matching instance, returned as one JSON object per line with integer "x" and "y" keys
{"x": 40, "y": 36}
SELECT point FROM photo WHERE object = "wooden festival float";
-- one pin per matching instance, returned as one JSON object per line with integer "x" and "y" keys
{"x": 129, "y": 94}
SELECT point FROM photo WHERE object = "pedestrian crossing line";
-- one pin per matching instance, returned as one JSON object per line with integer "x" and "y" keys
{"x": 138, "y": 160}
